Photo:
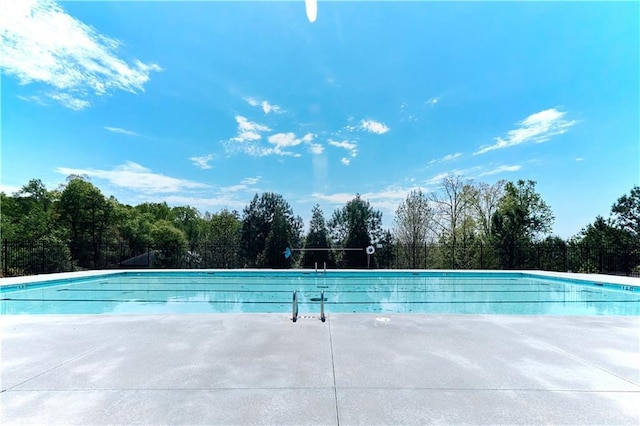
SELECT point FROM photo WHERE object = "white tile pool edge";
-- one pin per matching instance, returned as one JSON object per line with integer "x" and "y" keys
{"x": 598, "y": 278}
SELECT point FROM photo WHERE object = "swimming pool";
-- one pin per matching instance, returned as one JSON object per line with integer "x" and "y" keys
{"x": 145, "y": 292}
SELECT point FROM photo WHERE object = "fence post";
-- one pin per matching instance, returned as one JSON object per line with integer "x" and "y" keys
{"x": 5, "y": 258}
{"x": 148, "y": 257}
{"x": 481, "y": 255}
{"x": 43, "y": 257}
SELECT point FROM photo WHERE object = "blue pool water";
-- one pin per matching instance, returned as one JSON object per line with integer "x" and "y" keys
{"x": 362, "y": 292}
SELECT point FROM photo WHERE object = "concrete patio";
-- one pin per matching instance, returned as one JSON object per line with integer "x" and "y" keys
{"x": 353, "y": 369}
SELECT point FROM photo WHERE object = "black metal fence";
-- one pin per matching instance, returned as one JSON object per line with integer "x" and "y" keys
{"x": 37, "y": 257}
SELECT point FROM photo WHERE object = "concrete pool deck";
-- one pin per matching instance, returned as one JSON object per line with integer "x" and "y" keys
{"x": 353, "y": 369}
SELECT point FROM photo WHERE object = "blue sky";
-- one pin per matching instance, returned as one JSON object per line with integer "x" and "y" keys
{"x": 208, "y": 103}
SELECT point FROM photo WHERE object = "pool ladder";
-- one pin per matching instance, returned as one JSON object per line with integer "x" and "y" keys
{"x": 325, "y": 268}
{"x": 294, "y": 307}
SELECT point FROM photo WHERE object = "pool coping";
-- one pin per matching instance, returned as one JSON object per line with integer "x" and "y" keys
{"x": 590, "y": 278}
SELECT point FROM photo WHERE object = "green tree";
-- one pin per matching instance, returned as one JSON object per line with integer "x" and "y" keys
{"x": 188, "y": 219}
{"x": 603, "y": 247}
{"x": 170, "y": 244}
{"x": 257, "y": 221}
{"x": 134, "y": 229}
{"x": 317, "y": 238}
{"x": 86, "y": 214}
{"x": 277, "y": 241}
{"x": 356, "y": 226}
{"x": 626, "y": 212}
{"x": 522, "y": 218}
{"x": 222, "y": 235}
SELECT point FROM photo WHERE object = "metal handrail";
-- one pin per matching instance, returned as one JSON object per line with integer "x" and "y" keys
{"x": 294, "y": 308}
{"x": 322, "y": 317}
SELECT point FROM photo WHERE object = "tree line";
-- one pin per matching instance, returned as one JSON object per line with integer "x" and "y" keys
{"x": 460, "y": 226}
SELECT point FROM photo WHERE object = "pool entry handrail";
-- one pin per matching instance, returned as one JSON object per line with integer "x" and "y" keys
{"x": 325, "y": 267}
{"x": 294, "y": 308}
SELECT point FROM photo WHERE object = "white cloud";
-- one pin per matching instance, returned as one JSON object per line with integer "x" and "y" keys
{"x": 267, "y": 108}
{"x": 349, "y": 146}
{"x": 338, "y": 198}
{"x": 373, "y": 126}
{"x": 284, "y": 140}
{"x": 433, "y": 101}
{"x": 121, "y": 131}
{"x": 135, "y": 177}
{"x": 309, "y": 137}
{"x": 316, "y": 148}
{"x": 346, "y": 161}
{"x": 370, "y": 126}
{"x": 252, "y": 101}
{"x": 281, "y": 140}
{"x": 202, "y": 161}
{"x": 537, "y": 128}
{"x": 501, "y": 169}
{"x": 9, "y": 189}
{"x": 447, "y": 158}
{"x": 41, "y": 43}
{"x": 579, "y": 159}
{"x": 249, "y": 133}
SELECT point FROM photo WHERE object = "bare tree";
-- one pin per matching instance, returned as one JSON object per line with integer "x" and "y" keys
{"x": 414, "y": 224}
{"x": 484, "y": 203}
{"x": 452, "y": 205}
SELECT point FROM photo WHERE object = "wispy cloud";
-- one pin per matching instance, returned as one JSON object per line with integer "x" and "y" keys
{"x": 252, "y": 101}
{"x": 33, "y": 98}
{"x": 251, "y": 180}
{"x": 41, "y": 43}
{"x": 386, "y": 199}
{"x": 405, "y": 116}
{"x": 135, "y": 177}
{"x": 69, "y": 101}
{"x": 446, "y": 158}
{"x": 501, "y": 169}
{"x": 349, "y": 146}
{"x": 267, "y": 107}
{"x": 121, "y": 131}
{"x": 537, "y": 128}
{"x": 202, "y": 161}
{"x": 578, "y": 159}
{"x": 247, "y": 184}
{"x": 204, "y": 203}
{"x": 352, "y": 147}
{"x": 433, "y": 101}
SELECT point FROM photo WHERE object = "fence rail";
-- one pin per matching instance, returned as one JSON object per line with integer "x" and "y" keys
{"x": 37, "y": 257}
